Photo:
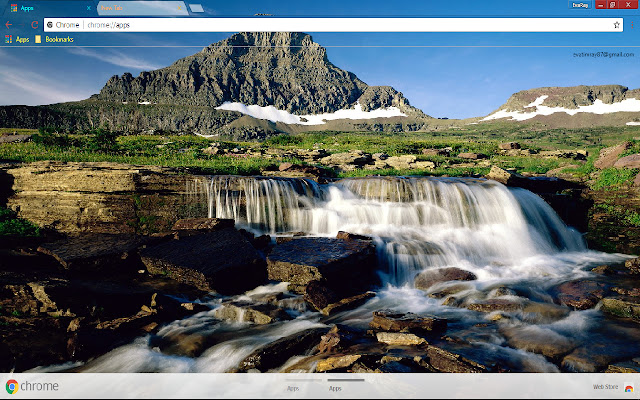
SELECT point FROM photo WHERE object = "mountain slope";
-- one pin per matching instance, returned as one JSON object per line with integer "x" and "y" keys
{"x": 286, "y": 70}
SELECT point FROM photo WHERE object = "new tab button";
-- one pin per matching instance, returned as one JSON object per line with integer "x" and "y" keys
{"x": 580, "y": 5}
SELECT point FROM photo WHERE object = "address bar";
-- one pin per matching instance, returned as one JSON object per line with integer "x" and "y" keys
{"x": 268, "y": 24}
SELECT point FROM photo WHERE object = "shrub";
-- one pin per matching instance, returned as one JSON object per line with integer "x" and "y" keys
{"x": 11, "y": 225}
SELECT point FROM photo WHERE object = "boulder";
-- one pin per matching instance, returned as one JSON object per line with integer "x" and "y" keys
{"x": 91, "y": 253}
{"x": 636, "y": 181}
{"x": 430, "y": 277}
{"x": 278, "y": 352}
{"x": 288, "y": 170}
{"x": 609, "y": 155}
{"x": 443, "y": 360}
{"x": 541, "y": 341}
{"x": 572, "y": 154}
{"x": 344, "y": 267}
{"x": 625, "y": 307}
{"x": 633, "y": 265}
{"x": 540, "y": 184}
{"x": 203, "y": 224}
{"x": 594, "y": 357}
{"x": 339, "y": 338}
{"x": 390, "y": 321}
{"x": 581, "y": 295}
{"x": 401, "y": 162}
{"x": 400, "y": 339}
{"x": 352, "y": 236}
{"x": 355, "y": 157}
{"x": 245, "y": 311}
{"x": 472, "y": 156}
{"x": 492, "y": 305}
{"x": 223, "y": 261}
{"x": 436, "y": 152}
{"x": 509, "y": 146}
{"x": 337, "y": 362}
{"x": 631, "y": 162}
{"x": 15, "y": 138}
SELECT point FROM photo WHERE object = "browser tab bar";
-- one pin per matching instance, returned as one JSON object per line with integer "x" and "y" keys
{"x": 142, "y": 8}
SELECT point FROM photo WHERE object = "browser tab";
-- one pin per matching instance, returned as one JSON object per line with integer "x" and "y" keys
{"x": 141, "y": 8}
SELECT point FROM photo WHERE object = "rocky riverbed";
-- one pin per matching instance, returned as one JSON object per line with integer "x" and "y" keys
{"x": 285, "y": 274}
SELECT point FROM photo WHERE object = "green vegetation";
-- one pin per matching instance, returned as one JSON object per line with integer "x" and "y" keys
{"x": 614, "y": 178}
{"x": 11, "y": 225}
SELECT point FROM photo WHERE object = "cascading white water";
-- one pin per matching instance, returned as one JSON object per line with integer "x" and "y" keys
{"x": 417, "y": 222}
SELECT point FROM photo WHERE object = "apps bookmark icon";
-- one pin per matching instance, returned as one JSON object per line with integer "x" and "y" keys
{"x": 8, "y": 38}
{"x": 14, "y": 8}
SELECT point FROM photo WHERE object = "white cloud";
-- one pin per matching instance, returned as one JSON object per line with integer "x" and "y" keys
{"x": 114, "y": 57}
{"x": 598, "y": 107}
{"x": 274, "y": 115}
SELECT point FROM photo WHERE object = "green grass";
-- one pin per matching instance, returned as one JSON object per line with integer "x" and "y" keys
{"x": 614, "y": 178}
{"x": 11, "y": 225}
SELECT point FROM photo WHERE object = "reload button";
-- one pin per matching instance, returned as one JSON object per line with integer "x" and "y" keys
{"x": 580, "y": 5}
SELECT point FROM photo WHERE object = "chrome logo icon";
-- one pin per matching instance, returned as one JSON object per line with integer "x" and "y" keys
{"x": 12, "y": 386}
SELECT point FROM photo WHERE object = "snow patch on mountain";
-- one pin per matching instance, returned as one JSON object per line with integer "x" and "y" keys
{"x": 598, "y": 107}
{"x": 274, "y": 115}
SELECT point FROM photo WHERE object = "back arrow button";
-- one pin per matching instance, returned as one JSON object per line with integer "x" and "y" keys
{"x": 8, "y": 24}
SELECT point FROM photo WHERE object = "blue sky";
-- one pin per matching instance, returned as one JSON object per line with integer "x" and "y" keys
{"x": 457, "y": 80}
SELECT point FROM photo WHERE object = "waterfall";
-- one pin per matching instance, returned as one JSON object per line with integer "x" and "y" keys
{"x": 417, "y": 222}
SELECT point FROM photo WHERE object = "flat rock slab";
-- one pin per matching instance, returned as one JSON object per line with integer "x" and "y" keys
{"x": 580, "y": 295}
{"x": 541, "y": 341}
{"x": 443, "y": 360}
{"x": 278, "y": 352}
{"x": 400, "y": 339}
{"x": 632, "y": 161}
{"x": 97, "y": 252}
{"x": 624, "y": 307}
{"x": 203, "y": 224}
{"x": 341, "y": 263}
{"x": 496, "y": 305}
{"x": 223, "y": 261}
{"x": 426, "y": 279}
{"x": 239, "y": 311}
{"x": 390, "y": 321}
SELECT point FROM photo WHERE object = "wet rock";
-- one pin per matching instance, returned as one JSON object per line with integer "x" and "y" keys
{"x": 472, "y": 156}
{"x": 492, "y": 305}
{"x": 449, "y": 290}
{"x": 592, "y": 358}
{"x": 92, "y": 253}
{"x": 603, "y": 270}
{"x": 203, "y": 224}
{"x": 545, "y": 312}
{"x": 509, "y": 146}
{"x": 400, "y": 339}
{"x": 426, "y": 279}
{"x": 445, "y": 361}
{"x": 539, "y": 340}
{"x": 339, "y": 338}
{"x": 278, "y": 352}
{"x": 632, "y": 161}
{"x": 397, "y": 367}
{"x": 633, "y": 292}
{"x": 221, "y": 260}
{"x": 609, "y": 155}
{"x": 625, "y": 307}
{"x": 541, "y": 184}
{"x": 390, "y": 321}
{"x": 345, "y": 267}
{"x": 581, "y": 295}
{"x": 633, "y": 265}
{"x": 243, "y": 311}
{"x": 628, "y": 367}
{"x": 337, "y": 362}
{"x": 346, "y": 303}
{"x": 352, "y": 236}
{"x": 500, "y": 291}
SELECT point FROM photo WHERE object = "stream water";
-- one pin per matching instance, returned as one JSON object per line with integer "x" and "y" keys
{"x": 509, "y": 238}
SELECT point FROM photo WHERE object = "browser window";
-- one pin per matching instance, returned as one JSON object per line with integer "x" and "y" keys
{"x": 331, "y": 199}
